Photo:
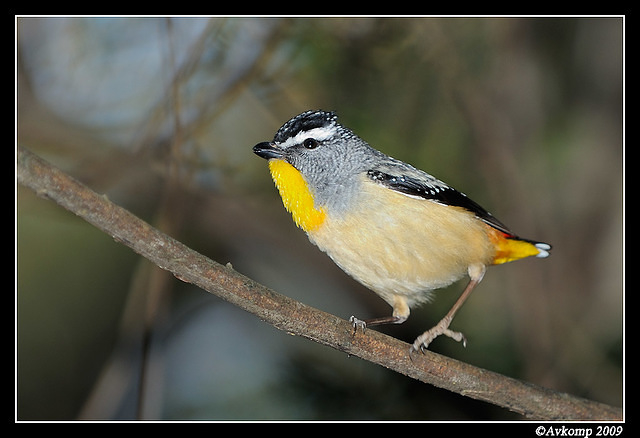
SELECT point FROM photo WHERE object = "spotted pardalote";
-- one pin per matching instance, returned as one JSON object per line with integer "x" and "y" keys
{"x": 396, "y": 229}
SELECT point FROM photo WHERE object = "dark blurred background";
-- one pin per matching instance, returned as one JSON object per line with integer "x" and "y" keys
{"x": 524, "y": 115}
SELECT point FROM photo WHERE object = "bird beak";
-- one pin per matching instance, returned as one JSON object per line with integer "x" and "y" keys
{"x": 268, "y": 150}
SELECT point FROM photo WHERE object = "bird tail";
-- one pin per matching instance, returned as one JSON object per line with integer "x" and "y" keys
{"x": 509, "y": 247}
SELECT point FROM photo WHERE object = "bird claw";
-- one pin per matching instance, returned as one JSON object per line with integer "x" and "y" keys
{"x": 422, "y": 342}
{"x": 357, "y": 324}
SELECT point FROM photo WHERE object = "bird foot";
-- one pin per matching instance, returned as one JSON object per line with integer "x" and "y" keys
{"x": 358, "y": 324}
{"x": 442, "y": 328}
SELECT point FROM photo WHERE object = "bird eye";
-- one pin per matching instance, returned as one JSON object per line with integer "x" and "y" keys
{"x": 310, "y": 143}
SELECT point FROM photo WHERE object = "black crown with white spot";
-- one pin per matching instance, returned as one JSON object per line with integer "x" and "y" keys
{"x": 306, "y": 121}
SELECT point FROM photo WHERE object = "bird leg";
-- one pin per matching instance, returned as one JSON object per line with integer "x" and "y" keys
{"x": 476, "y": 272}
{"x": 400, "y": 315}
{"x": 363, "y": 324}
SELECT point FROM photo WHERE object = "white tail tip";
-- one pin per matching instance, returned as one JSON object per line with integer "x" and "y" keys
{"x": 544, "y": 249}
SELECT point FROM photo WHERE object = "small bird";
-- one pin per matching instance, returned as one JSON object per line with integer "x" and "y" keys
{"x": 395, "y": 229}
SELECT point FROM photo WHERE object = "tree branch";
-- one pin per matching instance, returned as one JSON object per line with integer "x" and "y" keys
{"x": 294, "y": 317}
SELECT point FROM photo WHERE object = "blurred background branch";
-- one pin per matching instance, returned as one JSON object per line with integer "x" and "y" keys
{"x": 294, "y": 317}
{"x": 160, "y": 114}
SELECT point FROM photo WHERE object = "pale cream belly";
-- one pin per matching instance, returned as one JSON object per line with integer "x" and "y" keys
{"x": 399, "y": 245}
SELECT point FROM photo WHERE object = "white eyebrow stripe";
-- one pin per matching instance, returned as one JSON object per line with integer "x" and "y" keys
{"x": 319, "y": 134}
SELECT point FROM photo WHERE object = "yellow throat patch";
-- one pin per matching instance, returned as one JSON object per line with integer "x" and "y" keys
{"x": 295, "y": 194}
